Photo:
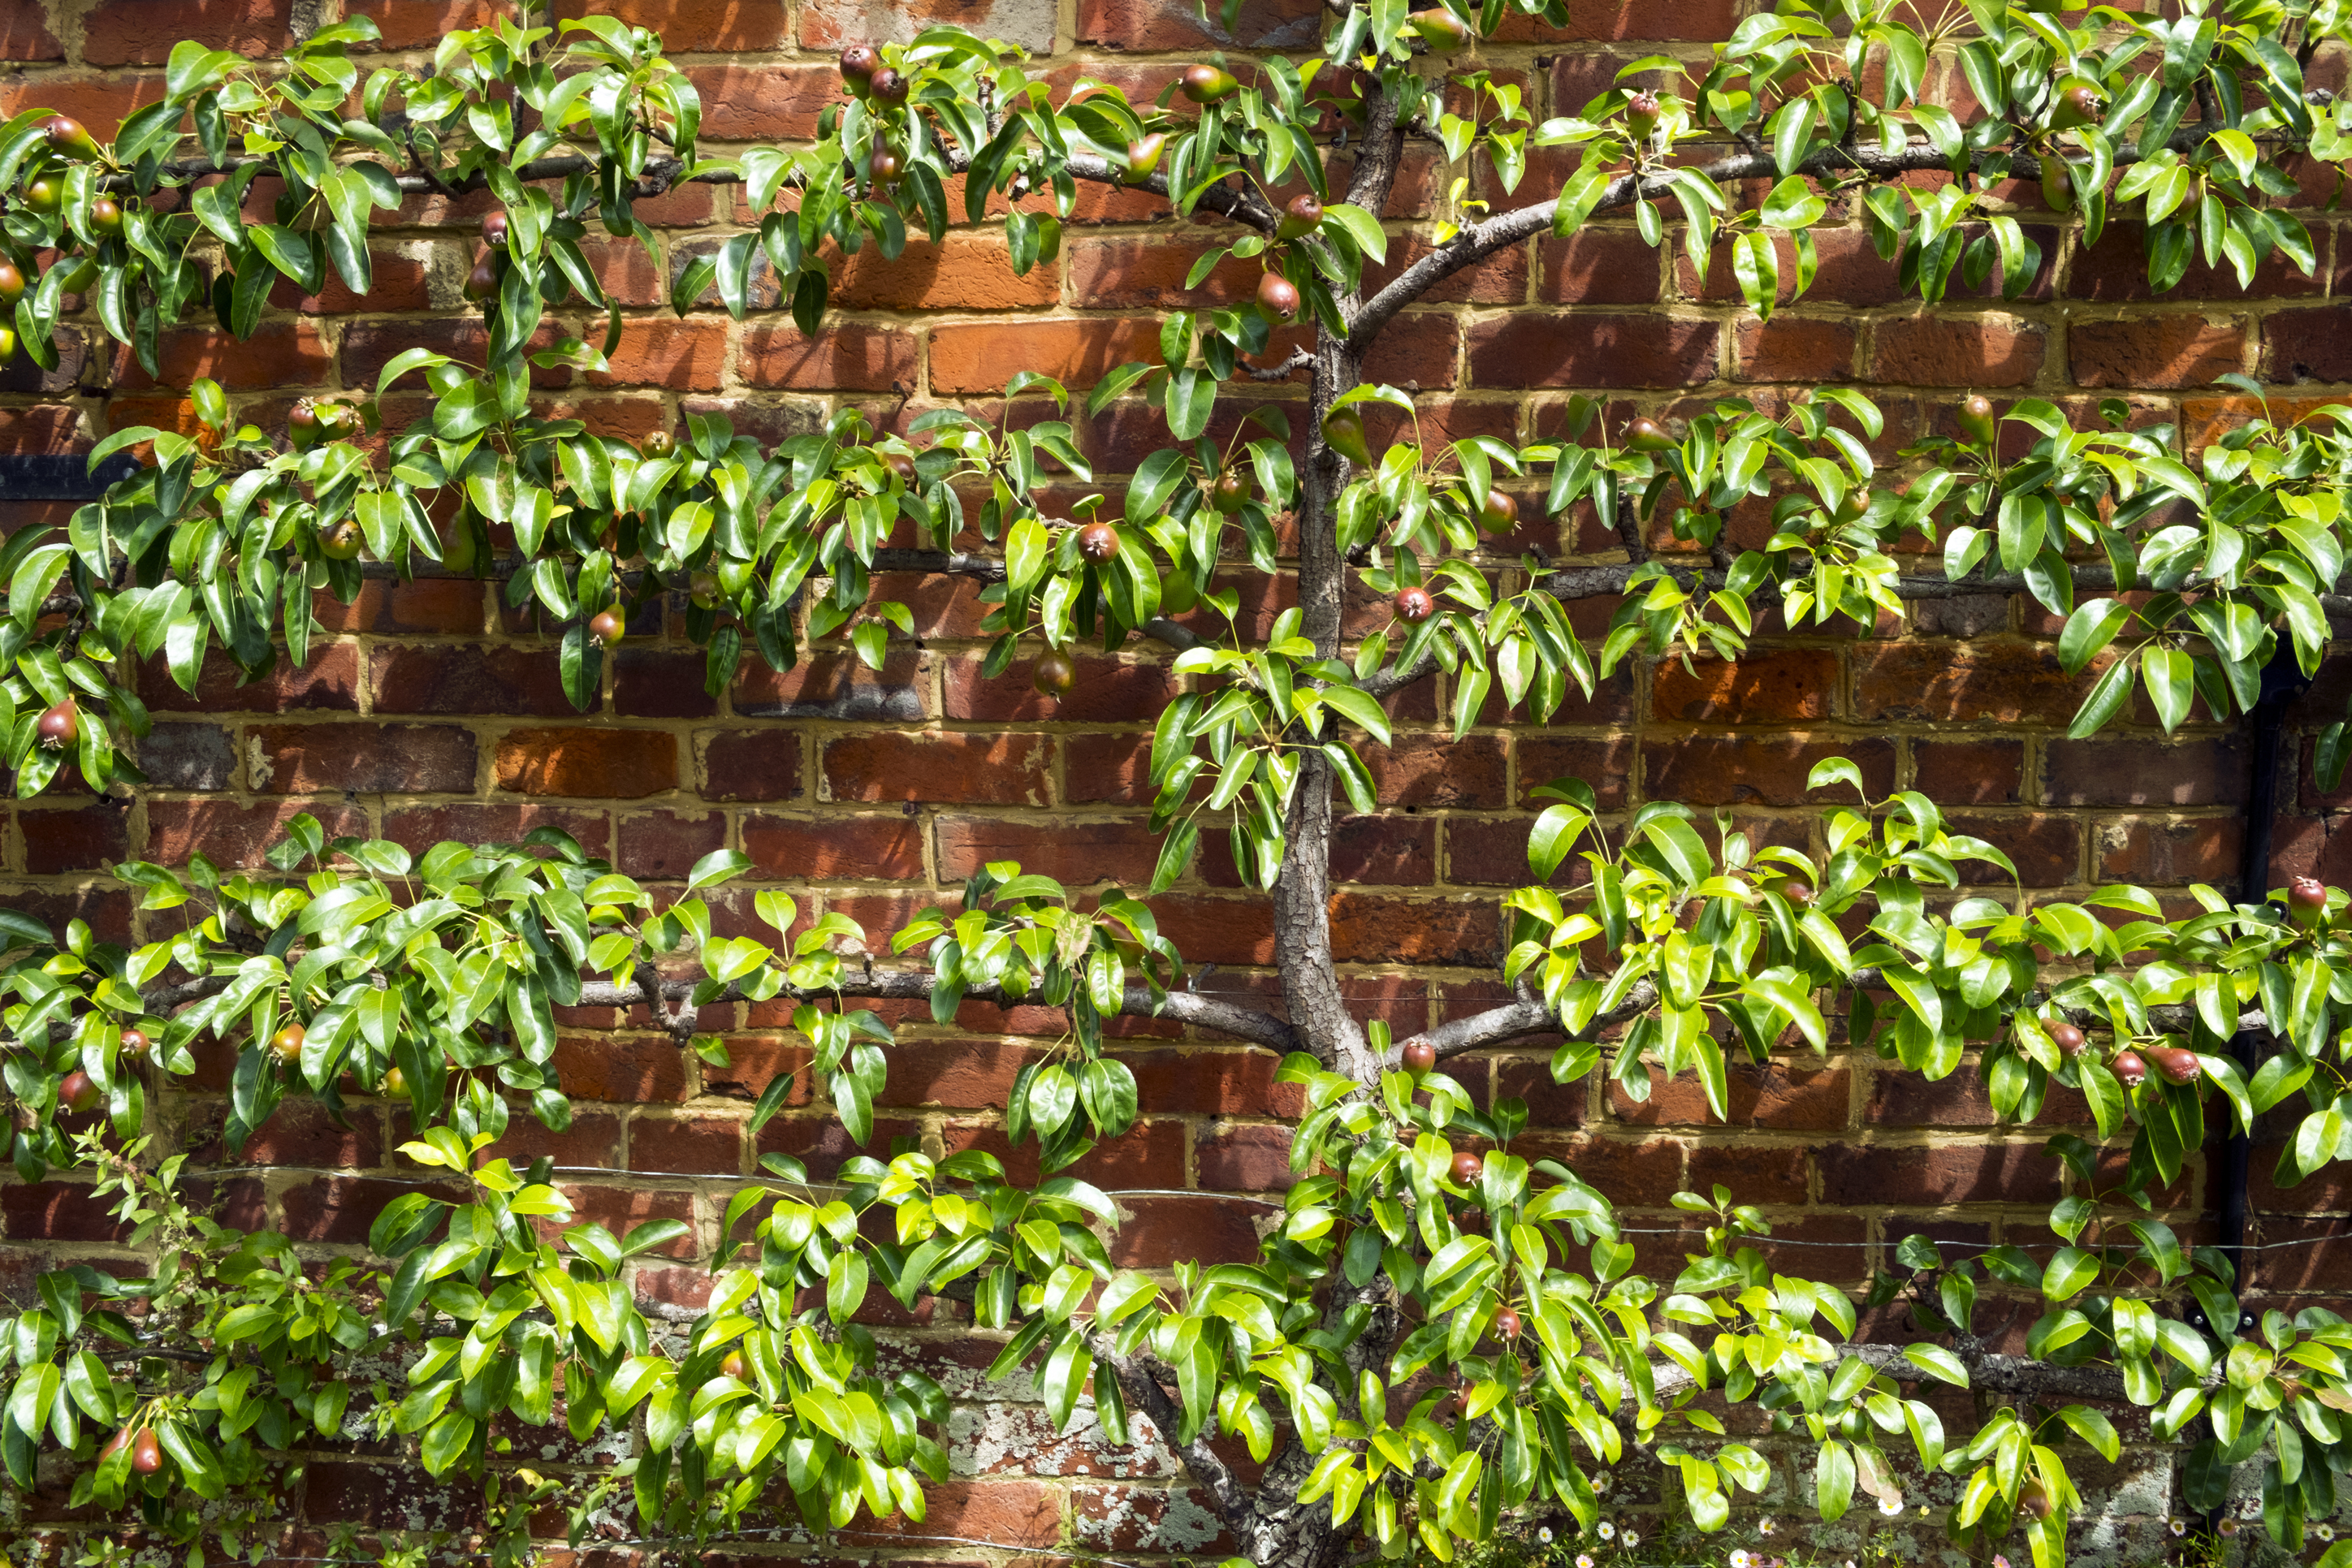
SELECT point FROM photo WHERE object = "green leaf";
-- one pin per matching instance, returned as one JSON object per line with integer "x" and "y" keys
{"x": 1361, "y": 226}
{"x": 1938, "y": 1363}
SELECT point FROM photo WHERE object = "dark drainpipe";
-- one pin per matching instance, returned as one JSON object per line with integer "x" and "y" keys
{"x": 2282, "y": 682}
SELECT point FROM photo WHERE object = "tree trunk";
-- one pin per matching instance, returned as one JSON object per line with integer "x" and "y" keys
{"x": 1280, "y": 1531}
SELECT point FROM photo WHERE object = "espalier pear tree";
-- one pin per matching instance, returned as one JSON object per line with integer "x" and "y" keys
{"x": 1440, "y": 1340}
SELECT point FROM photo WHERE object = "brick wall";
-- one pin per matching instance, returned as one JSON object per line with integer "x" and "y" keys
{"x": 434, "y": 713}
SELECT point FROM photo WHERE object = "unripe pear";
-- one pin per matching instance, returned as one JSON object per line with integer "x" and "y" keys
{"x": 1277, "y": 296}
{"x": 1976, "y": 419}
{"x": 1441, "y": 29}
{"x": 1299, "y": 218}
{"x": 1206, "y": 83}
{"x": 1098, "y": 542}
{"x": 1646, "y": 435}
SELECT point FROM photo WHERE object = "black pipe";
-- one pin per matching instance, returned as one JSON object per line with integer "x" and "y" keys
{"x": 2282, "y": 682}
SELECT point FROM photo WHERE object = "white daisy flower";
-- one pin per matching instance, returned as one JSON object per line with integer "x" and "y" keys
{"x": 2227, "y": 1527}
{"x": 1543, "y": 1533}
{"x": 1584, "y": 1559}
{"x": 1764, "y": 1525}
{"x": 1608, "y": 1531}
{"x": 1740, "y": 1558}
{"x": 1633, "y": 1539}
{"x": 2179, "y": 1527}
{"x": 1890, "y": 1506}
{"x": 1600, "y": 1482}
{"x": 2325, "y": 1531}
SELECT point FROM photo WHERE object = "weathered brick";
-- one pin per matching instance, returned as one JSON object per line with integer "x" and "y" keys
{"x": 2155, "y": 351}
{"x": 1080, "y": 852}
{"x": 1785, "y": 685}
{"x": 362, "y": 758}
{"x": 1947, "y": 350}
{"x": 1762, "y": 770}
{"x": 998, "y": 767}
{"x": 597, "y": 764}
{"x": 981, "y": 359}
{"x": 1997, "y": 681}
{"x": 1620, "y": 350}
{"x": 829, "y": 849}
{"x": 2190, "y": 772}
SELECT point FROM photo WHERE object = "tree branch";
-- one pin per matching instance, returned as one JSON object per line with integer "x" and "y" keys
{"x": 910, "y": 985}
{"x": 1479, "y": 241}
{"x": 1145, "y": 1393}
{"x": 1570, "y": 584}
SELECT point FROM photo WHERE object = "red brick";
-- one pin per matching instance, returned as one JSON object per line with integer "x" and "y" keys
{"x": 660, "y": 683}
{"x": 1999, "y": 680}
{"x": 1791, "y": 1095}
{"x": 1885, "y": 1176}
{"x": 992, "y": 768}
{"x": 2154, "y": 352}
{"x": 966, "y": 271}
{"x": 1107, "y": 691}
{"x": 1430, "y": 771}
{"x": 1598, "y": 266}
{"x": 2115, "y": 269}
{"x": 593, "y": 1138}
{"x": 619, "y": 1070}
{"x": 754, "y": 1062}
{"x": 24, "y": 35}
{"x": 494, "y": 678}
{"x": 1154, "y": 24}
{"x": 1969, "y": 772}
{"x": 830, "y": 24}
{"x": 666, "y": 844}
{"x": 2047, "y": 850}
{"x": 330, "y": 680}
{"x": 1761, "y": 771}
{"x": 1591, "y": 352}
{"x": 2209, "y": 772}
{"x": 1011, "y": 1513}
{"x": 389, "y": 1497}
{"x": 421, "y": 24}
{"x": 1156, "y": 1231}
{"x": 396, "y": 282}
{"x": 232, "y": 834}
{"x": 1080, "y": 851}
{"x": 1245, "y": 1159}
{"x": 57, "y": 1211}
{"x": 600, "y": 764}
{"x": 340, "y": 1208}
{"x": 1765, "y": 1174}
{"x": 1795, "y": 348}
{"x": 74, "y": 839}
{"x": 621, "y": 1211}
{"x": 419, "y": 828}
{"x": 752, "y": 765}
{"x": 846, "y": 355}
{"x": 369, "y": 346}
{"x": 362, "y": 758}
{"x": 2156, "y": 853}
{"x": 1780, "y": 687}
{"x": 835, "y": 684}
{"x": 829, "y": 849}
{"x": 138, "y": 32}
{"x": 1944, "y": 350}
{"x": 981, "y": 359}
{"x": 763, "y": 103}
{"x": 680, "y": 356}
{"x": 1368, "y": 928}
{"x": 685, "y": 1146}
{"x": 691, "y": 26}
{"x": 1644, "y": 1173}
{"x": 2308, "y": 345}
